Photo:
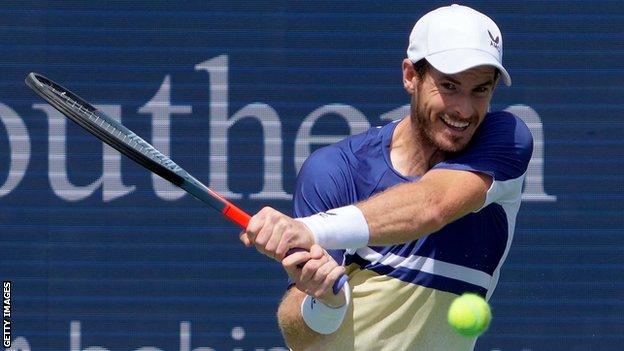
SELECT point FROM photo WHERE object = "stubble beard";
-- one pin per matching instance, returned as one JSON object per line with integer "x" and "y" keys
{"x": 424, "y": 128}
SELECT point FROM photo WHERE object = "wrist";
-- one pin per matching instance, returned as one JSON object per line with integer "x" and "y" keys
{"x": 339, "y": 228}
{"x": 321, "y": 318}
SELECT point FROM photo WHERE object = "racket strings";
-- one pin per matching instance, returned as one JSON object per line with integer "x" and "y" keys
{"x": 128, "y": 138}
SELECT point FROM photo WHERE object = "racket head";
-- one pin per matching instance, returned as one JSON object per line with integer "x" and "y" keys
{"x": 128, "y": 143}
{"x": 105, "y": 128}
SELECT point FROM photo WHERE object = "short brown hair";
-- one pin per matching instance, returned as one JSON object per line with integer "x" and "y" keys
{"x": 422, "y": 66}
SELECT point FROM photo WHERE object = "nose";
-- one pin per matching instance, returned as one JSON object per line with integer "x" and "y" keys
{"x": 463, "y": 106}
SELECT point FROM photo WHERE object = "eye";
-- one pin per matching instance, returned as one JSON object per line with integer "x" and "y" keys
{"x": 449, "y": 86}
{"x": 480, "y": 91}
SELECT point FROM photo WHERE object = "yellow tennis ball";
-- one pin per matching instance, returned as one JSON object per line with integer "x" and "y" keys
{"x": 469, "y": 315}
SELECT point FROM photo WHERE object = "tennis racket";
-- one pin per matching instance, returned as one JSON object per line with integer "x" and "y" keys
{"x": 128, "y": 143}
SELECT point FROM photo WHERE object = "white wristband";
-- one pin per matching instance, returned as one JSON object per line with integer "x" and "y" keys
{"x": 322, "y": 318}
{"x": 339, "y": 228}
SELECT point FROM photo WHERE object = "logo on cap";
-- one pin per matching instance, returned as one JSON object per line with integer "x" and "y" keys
{"x": 495, "y": 41}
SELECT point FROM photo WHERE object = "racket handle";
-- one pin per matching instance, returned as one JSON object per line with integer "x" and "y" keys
{"x": 236, "y": 215}
{"x": 338, "y": 284}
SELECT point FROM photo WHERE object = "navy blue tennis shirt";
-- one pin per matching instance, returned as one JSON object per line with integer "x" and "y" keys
{"x": 465, "y": 255}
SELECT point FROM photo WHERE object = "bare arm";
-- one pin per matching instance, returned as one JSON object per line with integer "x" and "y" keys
{"x": 297, "y": 334}
{"x": 400, "y": 214}
{"x": 316, "y": 278}
{"x": 412, "y": 210}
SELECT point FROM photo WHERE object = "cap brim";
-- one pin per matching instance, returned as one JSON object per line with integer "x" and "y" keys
{"x": 459, "y": 60}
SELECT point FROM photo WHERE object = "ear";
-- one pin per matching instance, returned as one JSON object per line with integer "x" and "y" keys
{"x": 497, "y": 80}
{"x": 410, "y": 78}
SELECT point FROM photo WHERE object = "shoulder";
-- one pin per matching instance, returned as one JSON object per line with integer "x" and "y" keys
{"x": 327, "y": 177}
{"x": 504, "y": 135}
{"x": 506, "y": 129}
{"x": 502, "y": 147}
{"x": 324, "y": 161}
{"x": 341, "y": 155}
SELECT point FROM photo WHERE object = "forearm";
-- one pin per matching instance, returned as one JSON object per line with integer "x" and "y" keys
{"x": 401, "y": 214}
{"x": 409, "y": 211}
{"x": 296, "y": 333}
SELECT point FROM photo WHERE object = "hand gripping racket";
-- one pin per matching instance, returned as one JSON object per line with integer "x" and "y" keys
{"x": 125, "y": 141}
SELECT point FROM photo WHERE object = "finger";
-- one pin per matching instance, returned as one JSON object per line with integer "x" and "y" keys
{"x": 309, "y": 269}
{"x": 326, "y": 291}
{"x": 323, "y": 271}
{"x": 317, "y": 285}
{"x": 292, "y": 261}
{"x": 266, "y": 231}
{"x": 332, "y": 277}
{"x": 292, "y": 266}
{"x": 256, "y": 223}
{"x": 317, "y": 252}
{"x": 244, "y": 238}
{"x": 323, "y": 287}
{"x": 283, "y": 247}
{"x": 272, "y": 243}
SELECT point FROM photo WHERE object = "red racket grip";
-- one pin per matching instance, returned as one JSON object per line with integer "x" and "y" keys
{"x": 236, "y": 215}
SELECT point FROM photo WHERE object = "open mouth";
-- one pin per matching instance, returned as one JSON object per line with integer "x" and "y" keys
{"x": 459, "y": 126}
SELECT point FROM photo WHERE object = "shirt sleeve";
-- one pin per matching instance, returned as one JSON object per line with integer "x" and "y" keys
{"x": 323, "y": 183}
{"x": 501, "y": 148}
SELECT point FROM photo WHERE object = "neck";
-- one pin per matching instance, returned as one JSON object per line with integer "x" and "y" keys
{"x": 411, "y": 153}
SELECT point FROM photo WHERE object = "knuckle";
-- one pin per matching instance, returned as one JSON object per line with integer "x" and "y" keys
{"x": 279, "y": 224}
{"x": 255, "y": 221}
{"x": 281, "y": 250}
{"x": 288, "y": 236}
{"x": 261, "y": 239}
{"x": 307, "y": 271}
{"x": 341, "y": 270}
{"x": 322, "y": 269}
{"x": 319, "y": 277}
{"x": 270, "y": 245}
{"x": 272, "y": 219}
{"x": 327, "y": 277}
{"x": 252, "y": 232}
{"x": 310, "y": 268}
{"x": 315, "y": 264}
{"x": 334, "y": 275}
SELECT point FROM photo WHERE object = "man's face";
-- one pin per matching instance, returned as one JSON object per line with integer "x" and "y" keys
{"x": 449, "y": 108}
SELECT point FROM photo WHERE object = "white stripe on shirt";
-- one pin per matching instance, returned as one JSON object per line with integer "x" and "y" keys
{"x": 428, "y": 265}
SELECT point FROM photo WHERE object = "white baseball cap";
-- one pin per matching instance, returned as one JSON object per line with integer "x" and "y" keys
{"x": 456, "y": 38}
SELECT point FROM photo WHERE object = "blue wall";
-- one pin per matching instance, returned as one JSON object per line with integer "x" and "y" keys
{"x": 124, "y": 263}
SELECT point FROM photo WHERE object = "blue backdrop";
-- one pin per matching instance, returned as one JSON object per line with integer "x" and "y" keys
{"x": 100, "y": 254}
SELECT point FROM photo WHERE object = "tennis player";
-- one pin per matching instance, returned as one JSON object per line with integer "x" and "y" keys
{"x": 415, "y": 212}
